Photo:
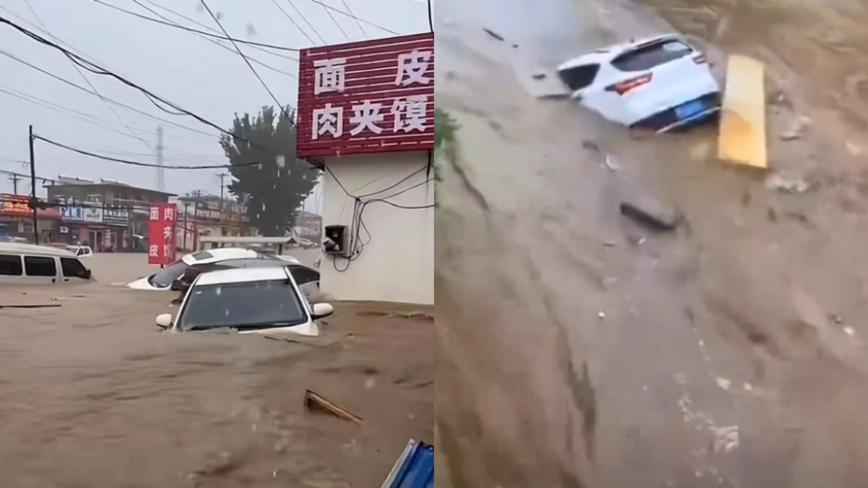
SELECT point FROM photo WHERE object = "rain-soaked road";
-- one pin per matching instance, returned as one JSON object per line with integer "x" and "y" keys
{"x": 92, "y": 395}
{"x": 729, "y": 353}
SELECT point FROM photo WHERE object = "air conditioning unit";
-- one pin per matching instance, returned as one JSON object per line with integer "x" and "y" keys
{"x": 336, "y": 240}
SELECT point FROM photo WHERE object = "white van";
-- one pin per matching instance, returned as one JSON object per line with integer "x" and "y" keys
{"x": 26, "y": 264}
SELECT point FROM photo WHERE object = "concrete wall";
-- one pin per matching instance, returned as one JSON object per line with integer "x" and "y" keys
{"x": 397, "y": 262}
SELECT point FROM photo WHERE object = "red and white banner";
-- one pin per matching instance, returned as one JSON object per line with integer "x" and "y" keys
{"x": 366, "y": 97}
{"x": 162, "y": 218}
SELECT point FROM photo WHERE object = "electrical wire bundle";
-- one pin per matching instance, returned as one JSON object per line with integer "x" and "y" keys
{"x": 361, "y": 202}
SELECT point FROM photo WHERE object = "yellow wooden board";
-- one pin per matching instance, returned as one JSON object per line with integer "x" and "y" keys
{"x": 742, "y": 138}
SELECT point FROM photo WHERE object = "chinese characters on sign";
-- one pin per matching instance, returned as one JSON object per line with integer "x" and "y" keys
{"x": 366, "y": 97}
{"x": 161, "y": 233}
{"x": 18, "y": 205}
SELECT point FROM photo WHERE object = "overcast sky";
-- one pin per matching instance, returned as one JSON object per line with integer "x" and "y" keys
{"x": 179, "y": 66}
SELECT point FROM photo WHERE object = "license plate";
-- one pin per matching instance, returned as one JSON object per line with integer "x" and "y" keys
{"x": 689, "y": 109}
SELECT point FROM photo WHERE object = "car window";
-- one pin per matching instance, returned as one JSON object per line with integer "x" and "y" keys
{"x": 167, "y": 275}
{"x": 10, "y": 265}
{"x": 304, "y": 275}
{"x": 249, "y": 305}
{"x": 72, "y": 268}
{"x": 39, "y": 266}
{"x": 579, "y": 77}
{"x": 651, "y": 55}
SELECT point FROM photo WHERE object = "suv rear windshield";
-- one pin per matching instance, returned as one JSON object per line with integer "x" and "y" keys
{"x": 579, "y": 77}
{"x": 651, "y": 55}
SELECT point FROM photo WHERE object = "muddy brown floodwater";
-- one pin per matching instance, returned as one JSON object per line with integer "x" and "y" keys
{"x": 581, "y": 350}
{"x": 92, "y": 395}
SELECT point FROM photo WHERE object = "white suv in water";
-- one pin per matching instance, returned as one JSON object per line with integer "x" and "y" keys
{"x": 658, "y": 83}
{"x": 247, "y": 301}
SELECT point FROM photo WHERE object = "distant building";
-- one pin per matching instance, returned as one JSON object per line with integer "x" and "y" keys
{"x": 16, "y": 218}
{"x": 105, "y": 214}
{"x": 308, "y": 226}
{"x": 201, "y": 214}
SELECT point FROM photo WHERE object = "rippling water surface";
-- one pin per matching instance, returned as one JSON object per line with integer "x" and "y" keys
{"x": 92, "y": 395}
{"x": 581, "y": 350}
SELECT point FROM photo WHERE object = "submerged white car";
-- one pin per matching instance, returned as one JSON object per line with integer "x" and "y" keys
{"x": 246, "y": 300}
{"x": 658, "y": 83}
{"x": 236, "y": 257}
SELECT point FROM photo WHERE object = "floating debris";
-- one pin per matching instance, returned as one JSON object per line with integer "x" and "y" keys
{"x": 797, "y": 129}
{"x": 777, "y": 182}
{"x": 313, "y": 401}
{"x": 493, "y": 34}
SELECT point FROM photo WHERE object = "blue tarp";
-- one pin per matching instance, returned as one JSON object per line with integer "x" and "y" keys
{"x": 414, "y": 469}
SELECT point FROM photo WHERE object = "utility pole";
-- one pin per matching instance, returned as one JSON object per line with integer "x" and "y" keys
{"x": 161, "y": 183}
{"x": 197, "y": 194}
{"x": 14, "y": 177}
{"x": 33, "y": 202}
{"x": 222, "y": 176}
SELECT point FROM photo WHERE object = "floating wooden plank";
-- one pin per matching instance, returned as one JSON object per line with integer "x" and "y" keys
{"x": 314, "y": 401}
{"x": 742, "y": 137}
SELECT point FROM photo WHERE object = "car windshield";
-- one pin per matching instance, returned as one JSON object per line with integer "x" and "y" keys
{"x": 168, "y": 274}
{"x": 249, "y": 305}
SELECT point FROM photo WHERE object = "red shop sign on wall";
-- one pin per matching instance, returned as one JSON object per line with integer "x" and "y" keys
{"x": 161, "y": 233}
{"x": 367, "y": 97}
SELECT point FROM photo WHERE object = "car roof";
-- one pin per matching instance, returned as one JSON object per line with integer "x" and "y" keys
{"x": 242, "y": 275}
{"x": 221, "y": 254}
{"x": 224, "y": 253}
{"x": 605, "y": 54}
{"x": 33, "y": 250}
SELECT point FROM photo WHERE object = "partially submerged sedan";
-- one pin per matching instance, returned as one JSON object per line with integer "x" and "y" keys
{"x": 246, "y": 300}
{"x": 172, "y": 277}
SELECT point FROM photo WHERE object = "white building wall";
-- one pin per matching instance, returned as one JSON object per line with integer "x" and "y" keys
{"x": 397, "y": 262}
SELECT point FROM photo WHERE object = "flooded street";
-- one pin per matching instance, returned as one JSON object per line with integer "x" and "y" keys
{"x": 93, "y": 395}
{"x": 581, "y": 350}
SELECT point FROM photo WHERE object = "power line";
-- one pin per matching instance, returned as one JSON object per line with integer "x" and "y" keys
{"x": 291, "y": 4}
{"x": 364, "y": 34}
{"x": 11, "y": 56}
{"x": 94, "y": 68}
{"x": 336, "y": 23}
{"x": 329, "y": 7}
{"x": 86, "y": 80}
{"x": 218, "y": 43}
{"x": 240, "y": 53}
{"x": 430, "y": 17}
{"x": 136, "y": 163}
{"x": 73, "y": 113}
{"x": 203, "y": 33}
{"x": 200, "y": 24}
{"x": 293, "y": 22}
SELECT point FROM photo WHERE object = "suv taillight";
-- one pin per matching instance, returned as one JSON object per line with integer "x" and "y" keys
{"x": 624, "y": 86}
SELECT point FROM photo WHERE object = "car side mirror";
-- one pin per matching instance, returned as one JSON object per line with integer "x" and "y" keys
{"x": 164, "y": 320}
{"x": 321, "y": 310}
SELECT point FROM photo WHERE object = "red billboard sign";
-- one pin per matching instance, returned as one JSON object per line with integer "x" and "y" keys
{"x": 17, "y": 205}
{"x": 162, "y": 218}
{"x": 367, "y": 97}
